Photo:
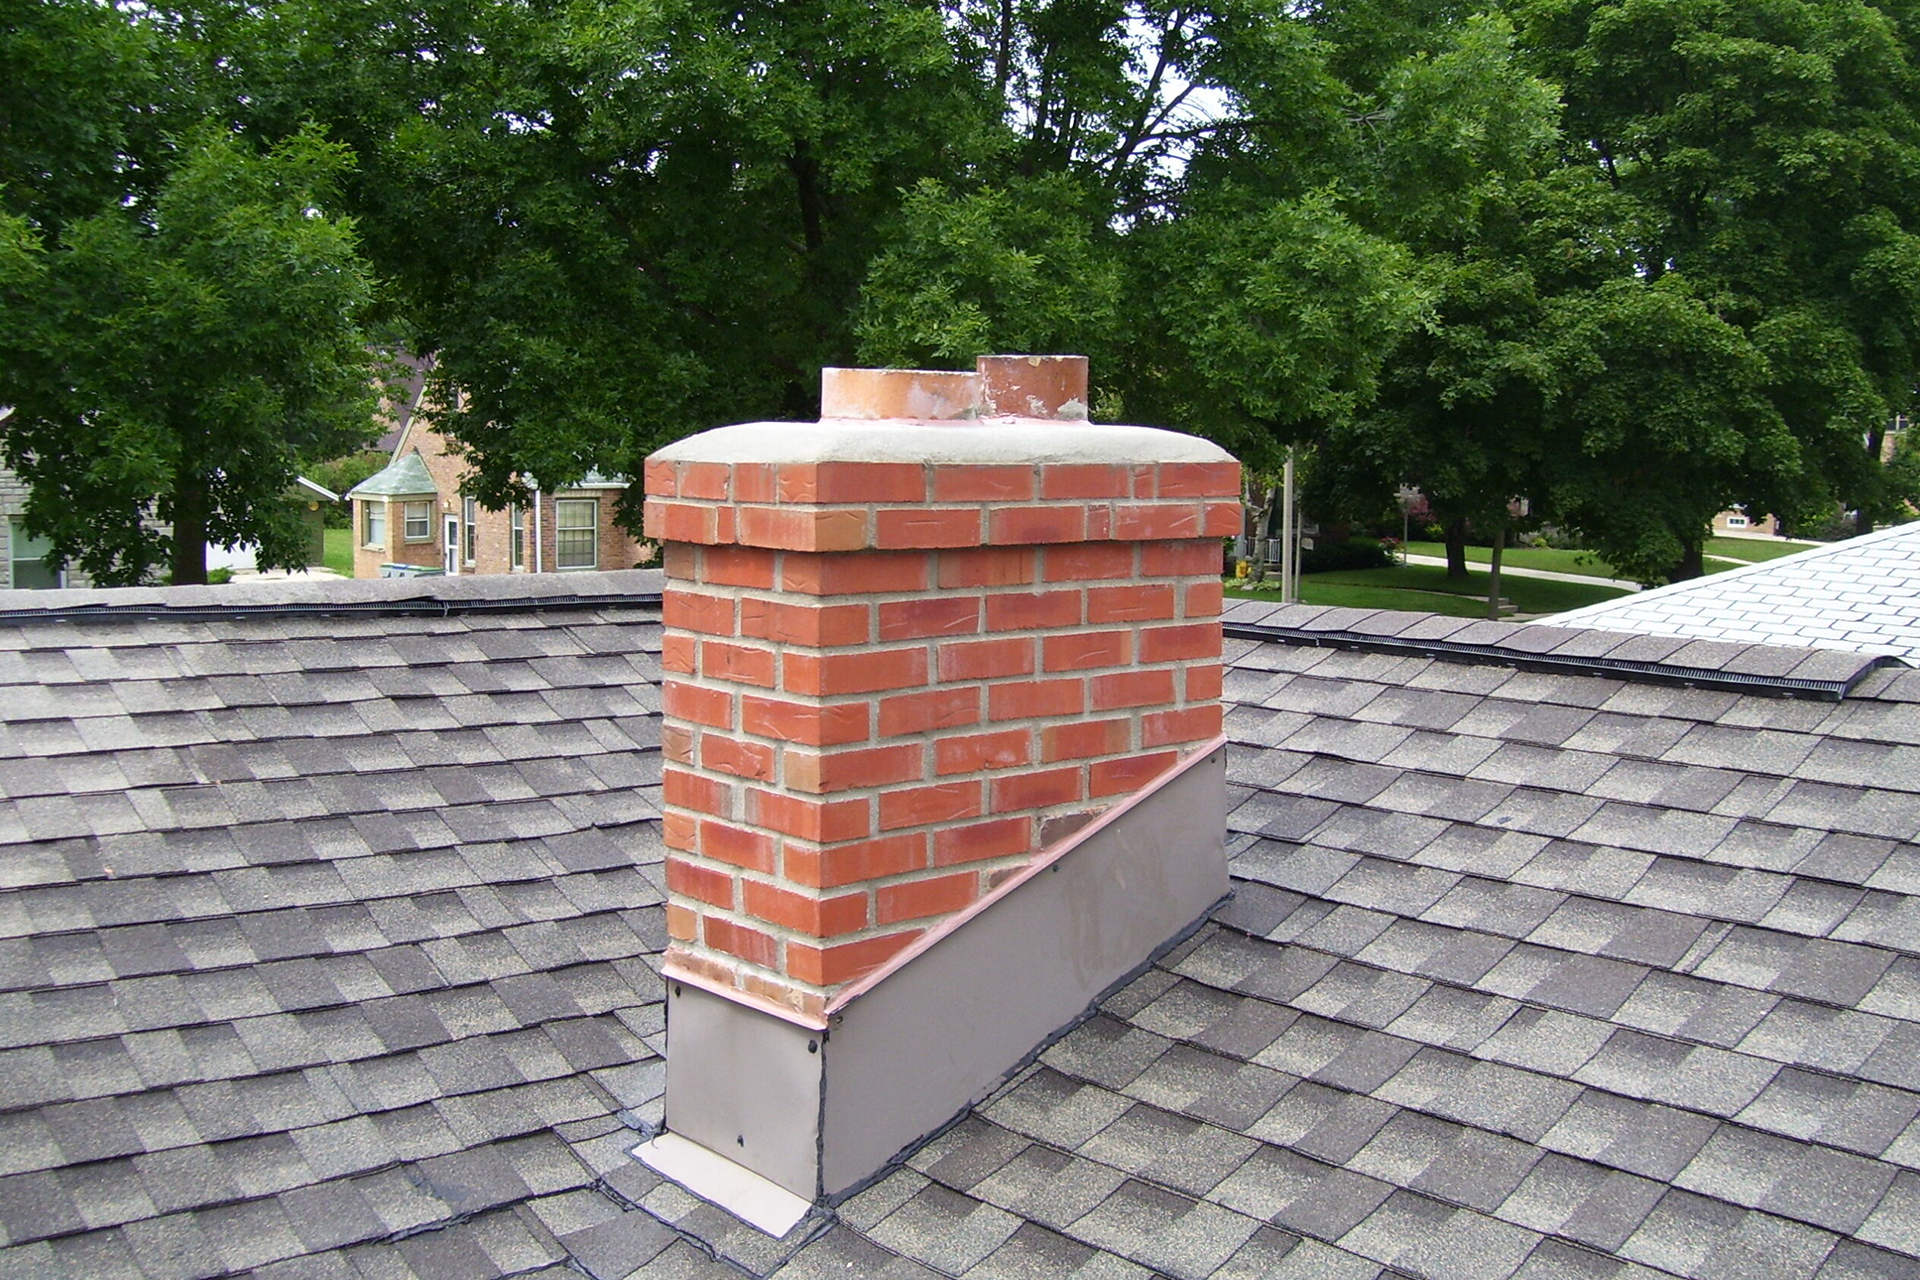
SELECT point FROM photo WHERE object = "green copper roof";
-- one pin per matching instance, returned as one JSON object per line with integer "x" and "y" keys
{"x": 408, "y": 477}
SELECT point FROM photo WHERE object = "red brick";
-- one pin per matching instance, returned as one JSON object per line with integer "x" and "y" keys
{"x": 676, "y": 742}
{"x": 1198, "y": 480}
{"x": 982, "y": 484}
{"x": 754, "y": 482}
{"x": 724, "y": 842}
{"x": 741, "y": 940}
{"x": 722, "y": 754}
{"x": 1036, "y": 790}
{"x": 707, "y": 884}
{"x": 1129, "y": 604}
{"x": 704, "y": 480}
{"x": 845, "y": 770}
{"x": 986, "y": 567}
{"x": 1205, "y": 598}
{"x": 1221, "y": 519}
{"x": 804, "y": 722}
{"x": 1111, "y": 777}
{"x": 1013, "y": 526}
{"x": 903, "y": 527}
{"x": 1084, "y": 738}
{"x": 919, "y": 806}
{"x": 853, "y": 482}
{"x": 804, "y": 913}
{"x": 803, "y": 528}
{"x": 985, "y": 659}
{"x": 738, "y": 567}
{"x": 661, "y": 481}
{"x": 673, "y": 521}
{"x": 818, "y": 626}
{"x": 979, "y": 751}
{"x": 1175, "y": 644}
{"x": 829, "y": 866}
{"x": 855, "y": 573}
{"x": 682, "y": 924}
{"x": 827, "y": 821}
{"x": 680, "y": 830}
{"x": 1186, "y": 559}
{"x": 681, "y": 560}
{"x": 1203, "y": 681}
{"x": 1132, "y": 689}
{"x": 919, "y": 899}
{"x": 1084, "y": 650}
{"x": 1194, "y": 724}
{"x": 690, "y": 611}
{"x": 979, "y": 841}
{"x": 831, "y": 966}
{"x": 1079, "y": 480}
{"x": 1137, "y": 522}
{"x": 741, "y": 663}
{"x": 1090, "y": 562}
{"x": 867, "y": 671}
{"x": 683, "y": 701}
{"x": 934, "y": 709}
{"x": 679, "y": 654}
{"x": 1030, "y": 610}
{"x": 935, "y": 615}
{"x": 1032, "y": 699}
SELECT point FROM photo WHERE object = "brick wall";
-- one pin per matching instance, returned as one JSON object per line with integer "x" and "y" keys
{"x": 890, "y": 683}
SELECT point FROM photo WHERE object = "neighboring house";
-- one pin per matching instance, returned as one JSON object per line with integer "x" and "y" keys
{"x": 1738, "y": 523}
{"x": 1862, "y": 594}
{"x": 333, "y": 914}
{"x": 414, "y": 514}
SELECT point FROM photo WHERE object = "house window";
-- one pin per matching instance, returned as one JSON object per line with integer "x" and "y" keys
{"x": 28, "y": 560}
{"x": 517, "y": 518}
{"x": 470, "y": 524}
{"x": 419, "y": 521}
{"x": 1737, "y": 522}
{"x": 576, "y": 533}
{"x": 373, "y": 523}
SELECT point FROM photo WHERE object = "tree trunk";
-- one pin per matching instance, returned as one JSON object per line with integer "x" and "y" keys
{"x": 1456, "y": 532}
{"x": 189, "y": 559}
{"x": 1493, "y": 574}
{"x": 1691, "y": 565}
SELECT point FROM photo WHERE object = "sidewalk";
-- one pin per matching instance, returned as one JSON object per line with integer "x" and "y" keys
{"x": 1517, "y": 572}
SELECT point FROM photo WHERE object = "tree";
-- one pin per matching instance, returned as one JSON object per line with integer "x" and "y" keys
{"x": 1768, "y": 152}
{"x": 1663, "y": 418}
{"x": 173, "y": 363}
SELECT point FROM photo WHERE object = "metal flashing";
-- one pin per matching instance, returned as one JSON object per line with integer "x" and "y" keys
{"x": 819, "y": 1113}
{"x": 743, "y": 1193}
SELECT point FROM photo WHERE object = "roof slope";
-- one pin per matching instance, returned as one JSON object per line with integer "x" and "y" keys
{"x": 1861, "y": 595}
{"x": 330, "y": 945}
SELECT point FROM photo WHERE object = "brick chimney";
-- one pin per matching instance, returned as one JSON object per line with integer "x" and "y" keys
{"x": 912, "y": 652}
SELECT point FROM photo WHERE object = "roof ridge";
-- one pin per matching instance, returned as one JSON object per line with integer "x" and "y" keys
{"x": 1825, "y": 674}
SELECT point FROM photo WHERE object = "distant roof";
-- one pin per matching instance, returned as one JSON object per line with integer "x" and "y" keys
{"x": 330, "y": 917}
{"x": 318, "y": 490}
{"x": 1861, "y": 595}
{"x": 405, "y": 477}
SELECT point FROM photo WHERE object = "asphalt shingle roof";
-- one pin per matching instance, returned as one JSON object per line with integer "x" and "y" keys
{"x": 1857, "y": 595}
{"x": 331, "y": 937}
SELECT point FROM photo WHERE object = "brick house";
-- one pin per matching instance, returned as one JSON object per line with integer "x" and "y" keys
{"x": 414, "y": 513}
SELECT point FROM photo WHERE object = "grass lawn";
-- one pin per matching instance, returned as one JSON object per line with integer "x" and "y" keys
{"x": 1584, "y": 563}
{"x": 339, "y": 551}
{"x": 1426, "y": 589}
{"x": 1756, "y": 549}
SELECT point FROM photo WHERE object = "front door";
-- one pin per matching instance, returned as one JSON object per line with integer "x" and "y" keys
{"x": 450, "y": 547}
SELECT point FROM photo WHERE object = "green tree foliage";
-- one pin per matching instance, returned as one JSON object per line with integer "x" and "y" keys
{"x": 176, "y": 362}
